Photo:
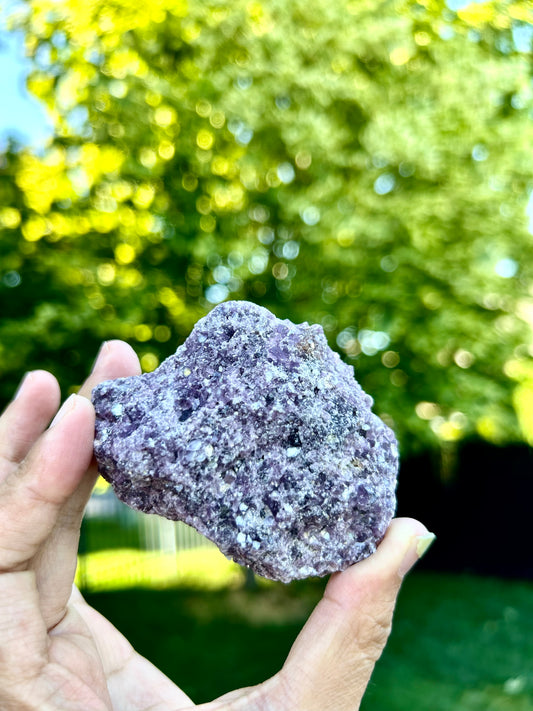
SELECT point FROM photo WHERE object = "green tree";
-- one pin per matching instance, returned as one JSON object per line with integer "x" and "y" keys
{"x": 361, "y": 164}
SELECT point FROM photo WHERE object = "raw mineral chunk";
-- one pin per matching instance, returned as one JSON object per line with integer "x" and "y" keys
{"x": 257, "y": 434}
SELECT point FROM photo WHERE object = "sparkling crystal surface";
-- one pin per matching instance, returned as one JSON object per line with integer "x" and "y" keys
{"x": 257, "y": 434}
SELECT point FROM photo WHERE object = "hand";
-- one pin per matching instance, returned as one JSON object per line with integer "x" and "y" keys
{"x": 331, "y": 661}
{"x": 56, "y": 653}
{"x": 59, "y": 654}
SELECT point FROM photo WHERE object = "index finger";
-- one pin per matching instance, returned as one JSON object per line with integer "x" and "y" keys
{"x": 115, "y": 359}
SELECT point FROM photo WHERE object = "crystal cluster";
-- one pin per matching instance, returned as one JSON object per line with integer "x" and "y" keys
{"x": 257, "y": 434}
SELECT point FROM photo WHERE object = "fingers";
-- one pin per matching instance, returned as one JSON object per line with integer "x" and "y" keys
{"x": 26, "y": 418}
{"x": 331, "y": 662}
{"x": 47, "y": 485}
{"x": 55, "y": 563}
{"x": 38, "y": 397}
{"x": 115, "y": 359}
{"x": 32, "y": 496}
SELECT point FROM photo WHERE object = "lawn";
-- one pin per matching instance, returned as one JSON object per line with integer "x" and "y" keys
{"x": 459, "y": 643}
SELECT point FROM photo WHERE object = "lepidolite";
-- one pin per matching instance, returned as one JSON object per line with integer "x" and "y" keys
{"x": 257, "y": 434}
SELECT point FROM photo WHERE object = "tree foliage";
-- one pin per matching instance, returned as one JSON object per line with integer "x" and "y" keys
{"x": 364, "y": 164}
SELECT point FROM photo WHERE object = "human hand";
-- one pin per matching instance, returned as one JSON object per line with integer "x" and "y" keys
{"x": 331, "y": 661}
{"x": 59, "y": 654}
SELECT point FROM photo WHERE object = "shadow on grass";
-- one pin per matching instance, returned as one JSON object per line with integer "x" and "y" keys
{"x": 458, "y": 643}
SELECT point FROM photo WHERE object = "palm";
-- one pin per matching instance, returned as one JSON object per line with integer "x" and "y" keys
{"x": 70, "y": 677}
{"x": 88, "y": 666}
{"x": 102, "y": 670}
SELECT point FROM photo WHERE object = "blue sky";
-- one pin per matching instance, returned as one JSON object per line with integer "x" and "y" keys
{"x": 20, "y": 114}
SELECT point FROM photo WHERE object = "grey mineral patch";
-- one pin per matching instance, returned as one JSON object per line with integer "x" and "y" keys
{"x": 257, "y": 434}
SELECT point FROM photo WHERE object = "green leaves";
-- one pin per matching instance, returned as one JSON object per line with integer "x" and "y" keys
{"x": 362, "y": 165}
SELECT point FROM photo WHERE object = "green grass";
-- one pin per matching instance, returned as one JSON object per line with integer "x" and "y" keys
{"x": 459, "y": 643}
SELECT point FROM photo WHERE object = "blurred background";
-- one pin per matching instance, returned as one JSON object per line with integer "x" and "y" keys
{"x": 362, "y": 164}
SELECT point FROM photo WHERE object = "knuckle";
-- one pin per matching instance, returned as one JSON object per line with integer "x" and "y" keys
{"x": 374, "y": 632}
{"x": 275, "y": 694}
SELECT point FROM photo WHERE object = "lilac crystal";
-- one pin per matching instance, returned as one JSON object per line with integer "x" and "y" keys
{"x": 256, "y": 434}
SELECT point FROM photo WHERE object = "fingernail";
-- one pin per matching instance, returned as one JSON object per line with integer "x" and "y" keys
{"x": 66, "y": 408}
{"x": 419, "y": 546}
{"x": 423, "y": 543}
{"x": 22, "y": 385}
{"x": 101, "y": 350}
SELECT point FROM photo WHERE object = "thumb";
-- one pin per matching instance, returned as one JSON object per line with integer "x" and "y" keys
{"x": 331, "y": 662}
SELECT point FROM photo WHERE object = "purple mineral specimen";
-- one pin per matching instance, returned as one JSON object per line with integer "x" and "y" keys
{"x": 256, "y": 434}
